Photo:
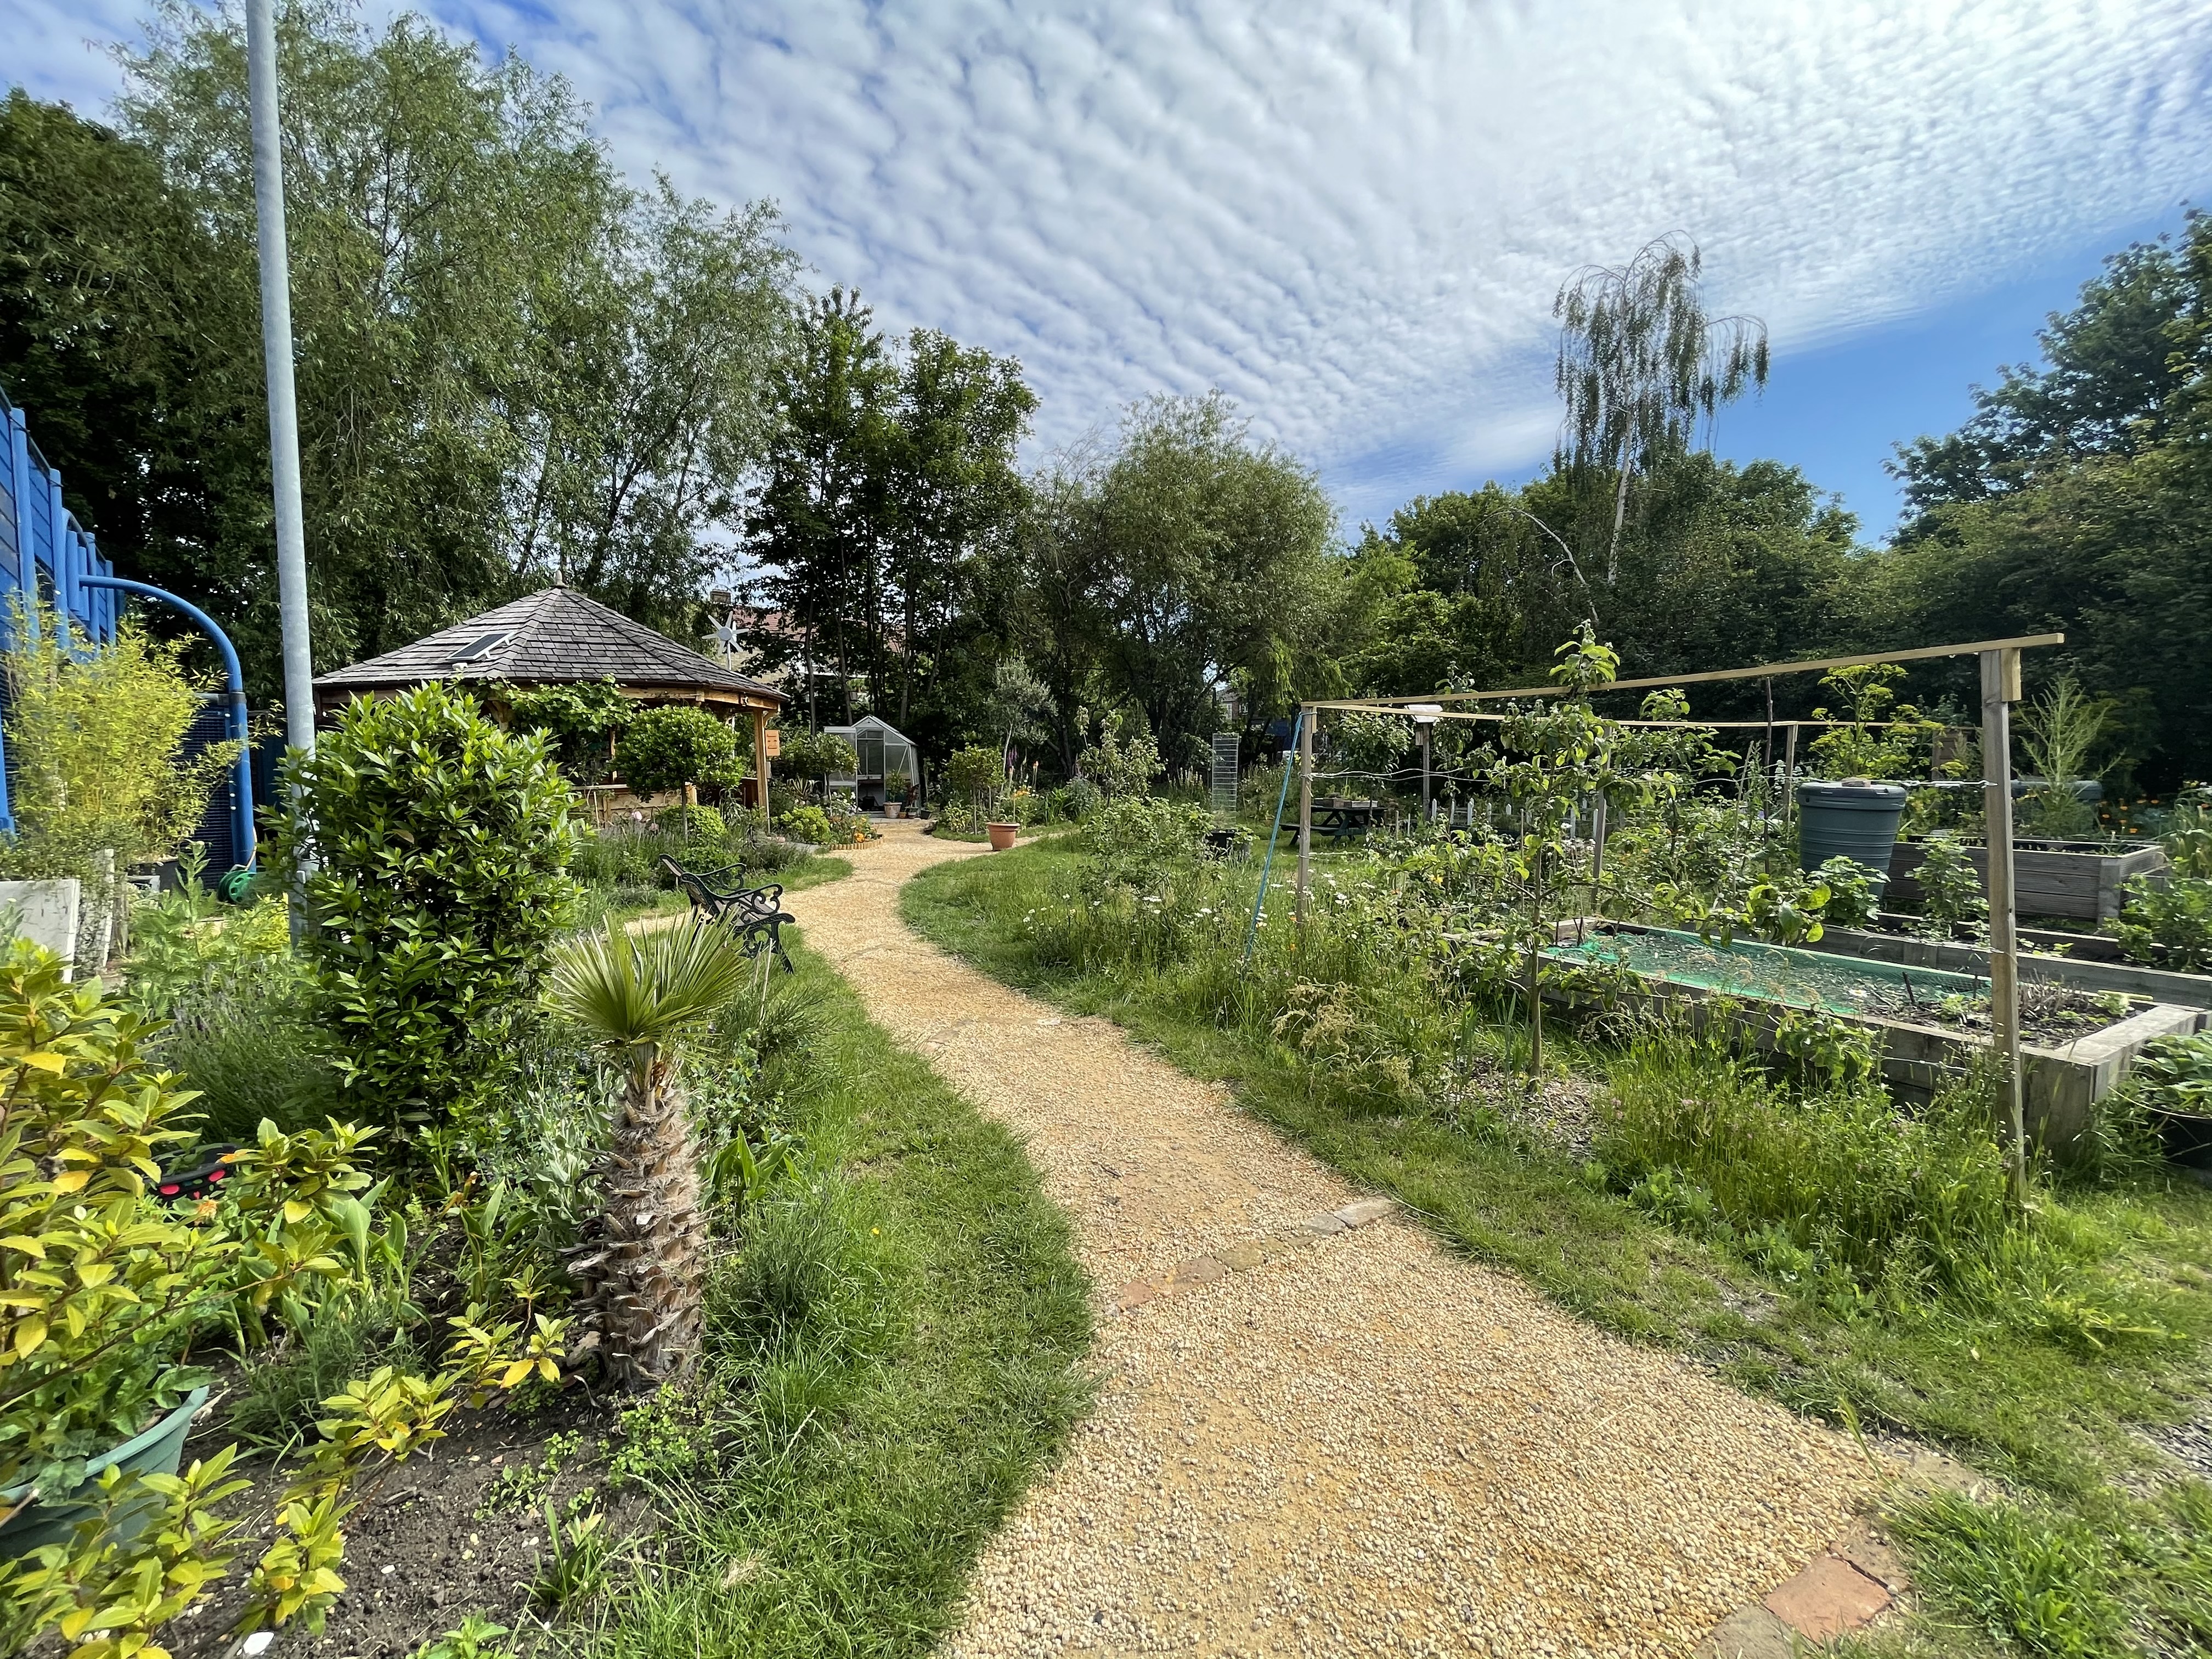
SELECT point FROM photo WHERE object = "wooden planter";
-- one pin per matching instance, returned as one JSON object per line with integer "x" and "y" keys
{"x": 2050, "y": 877}
{"x": 2062, "y": 1083}
{"x": 2074, "y": 969}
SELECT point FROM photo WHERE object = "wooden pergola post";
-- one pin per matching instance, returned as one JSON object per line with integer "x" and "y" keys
{"x": 1305, "y": 808}
{"x": 2000, "y": 691}
{"x": 760, "y": 763}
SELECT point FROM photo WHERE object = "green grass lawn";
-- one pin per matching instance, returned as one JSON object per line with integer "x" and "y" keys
{"x": 896, "y": 1351}
{"x": 2048, "y": 1405}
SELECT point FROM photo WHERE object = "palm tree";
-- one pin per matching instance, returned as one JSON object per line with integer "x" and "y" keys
{"x": 646, "y": 1272}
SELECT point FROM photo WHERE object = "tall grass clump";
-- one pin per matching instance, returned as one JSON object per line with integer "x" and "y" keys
{"x": 1838, "y": 1175}
{"x": 2136, "y": 1578}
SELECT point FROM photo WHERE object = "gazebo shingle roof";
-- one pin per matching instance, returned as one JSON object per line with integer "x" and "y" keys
{"x": 556, "y": 634}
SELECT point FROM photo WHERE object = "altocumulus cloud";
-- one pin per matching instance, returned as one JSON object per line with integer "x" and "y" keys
{"x": 1352, "y": 216}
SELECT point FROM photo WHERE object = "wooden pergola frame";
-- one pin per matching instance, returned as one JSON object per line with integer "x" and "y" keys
{"x": 2000, "y": 677}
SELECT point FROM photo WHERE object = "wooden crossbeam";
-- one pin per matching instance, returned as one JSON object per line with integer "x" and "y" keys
{"x": 1765, "y": 671}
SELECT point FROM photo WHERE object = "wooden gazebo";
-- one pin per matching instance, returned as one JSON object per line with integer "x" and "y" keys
{"x": 556, "y": 635}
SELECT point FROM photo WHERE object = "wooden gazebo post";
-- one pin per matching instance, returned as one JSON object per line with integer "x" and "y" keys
{"x": 2000, "y": 691}
{"x": 760, "y": 764}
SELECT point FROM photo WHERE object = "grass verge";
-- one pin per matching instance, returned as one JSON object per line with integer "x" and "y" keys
{"x": 2042, "y": 1382}
{"x": 896, "y": 1351}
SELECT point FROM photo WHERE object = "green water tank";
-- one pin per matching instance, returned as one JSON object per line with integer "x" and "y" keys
{"x": 1855, "y": 820}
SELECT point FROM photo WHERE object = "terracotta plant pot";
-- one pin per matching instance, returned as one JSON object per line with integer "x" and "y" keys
{"x": 1001, "y": 834}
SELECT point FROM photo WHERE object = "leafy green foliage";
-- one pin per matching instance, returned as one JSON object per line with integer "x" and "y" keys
{"x": 437, "y": 849}
{"x": 579, "y": 1553}
{"x": 1853, "y": 896}
{"x": 667, "y": 748}
{"x": 475, "y": 1637}
{"x": 1123, "y": 760}
{"x": 1640, "y": 363}
{"x": 889, "y": 490}
{"x": 581, "y": 719}
{"x": 1951, "y": 894}
{"x": 976, "y": 776}
{"x": 1881, "y": 737}
{"x": 2174, "y": 1074}
{"x": 94, "y": 738}
{"x": 1182, "y": 551}
{"x": 2168, "y": 926}
{"x": 815, "y": 755}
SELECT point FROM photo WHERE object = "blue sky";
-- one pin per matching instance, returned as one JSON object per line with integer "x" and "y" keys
{"x": 1352, "y": 214}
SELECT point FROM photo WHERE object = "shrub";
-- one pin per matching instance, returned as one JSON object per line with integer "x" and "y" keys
{"x": 664, "y": 748}
{"x": 808, "y": 824}
{"x": 1120, "y": 763}
{"x": 1950, "y": 886}
{"x": 693, "y": 823}
{"x": 93, "y": 742}
{"x": 1853, "y": 900}
{"x": 1879, "y": 737}
{"x": 2169, "y": 926}
{"x": 815, "y": 755}
{"x": 103, "y": 1290}
{"x": 438, "y": 847}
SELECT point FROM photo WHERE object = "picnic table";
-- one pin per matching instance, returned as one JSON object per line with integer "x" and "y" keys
{"x": 1342, "y": 820}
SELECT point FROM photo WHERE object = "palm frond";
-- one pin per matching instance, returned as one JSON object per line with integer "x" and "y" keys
{"x": 630, "y": 991}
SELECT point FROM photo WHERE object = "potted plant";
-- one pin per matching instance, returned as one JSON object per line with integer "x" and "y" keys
{"x": 895, "y": 788}
{"x": 978, "y": 775}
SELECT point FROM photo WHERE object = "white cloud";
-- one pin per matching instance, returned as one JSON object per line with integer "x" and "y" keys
{"x": 1353, "y": 215}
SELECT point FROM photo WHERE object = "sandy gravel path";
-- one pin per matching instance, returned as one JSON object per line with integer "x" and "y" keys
{"x": 1322, "y": 1442}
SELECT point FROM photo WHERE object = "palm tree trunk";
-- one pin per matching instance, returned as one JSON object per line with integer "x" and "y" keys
{"x": 649, "y": 1281}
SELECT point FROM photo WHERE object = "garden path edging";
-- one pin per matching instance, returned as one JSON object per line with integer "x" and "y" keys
{"x": 1325, "y": 1438}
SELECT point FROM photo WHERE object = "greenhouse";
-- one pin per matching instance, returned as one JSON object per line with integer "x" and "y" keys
{"x": 889, "y": 770}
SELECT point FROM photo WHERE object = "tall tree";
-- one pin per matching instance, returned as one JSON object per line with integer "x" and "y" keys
{"x": 818, "y": 519}
{"x": 2073, "y": 499}
{"x": 128, "y": 337}
{"x": 956, "y": 491}
{"x": 512, "y": 367}
{"x": 1640, "y": 363}
{"x": 1184, "y": 556}
{"x": 890, "y": 493}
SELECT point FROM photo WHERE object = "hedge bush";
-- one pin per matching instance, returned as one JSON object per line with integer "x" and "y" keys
{"x": 438, "y": 849}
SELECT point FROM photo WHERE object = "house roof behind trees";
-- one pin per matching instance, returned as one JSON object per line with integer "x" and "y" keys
{"x": 556, "y": 634}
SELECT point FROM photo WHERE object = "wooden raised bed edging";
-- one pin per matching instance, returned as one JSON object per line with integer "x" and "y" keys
{"x": 2061, "y": 1083}
{"x": 2053, "y": 877}
{"x": 2083, "y": 974}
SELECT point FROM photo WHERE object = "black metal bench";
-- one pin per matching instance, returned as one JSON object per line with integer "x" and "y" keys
{"x": 755, "y": 915}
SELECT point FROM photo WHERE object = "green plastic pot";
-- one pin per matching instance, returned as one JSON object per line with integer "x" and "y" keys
{"x": 155, "y": 1450}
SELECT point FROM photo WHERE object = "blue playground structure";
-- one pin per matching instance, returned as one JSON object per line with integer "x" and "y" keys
{"x": 46, "y": 555}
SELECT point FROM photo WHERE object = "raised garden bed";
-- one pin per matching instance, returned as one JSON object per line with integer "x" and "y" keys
{"x": 2084, "y": 878}
{"x": 1928, "y": 1022}
{"x": 2100, "y": 966}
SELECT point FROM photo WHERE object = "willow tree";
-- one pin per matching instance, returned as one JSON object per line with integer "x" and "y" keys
{"x": 1640, "y": 364}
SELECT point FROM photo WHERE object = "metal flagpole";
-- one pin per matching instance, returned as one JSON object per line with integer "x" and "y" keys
{"x": 277, "y": 358}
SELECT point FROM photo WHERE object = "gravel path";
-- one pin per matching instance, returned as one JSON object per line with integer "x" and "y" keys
{"x": 1316, "y": 1439}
